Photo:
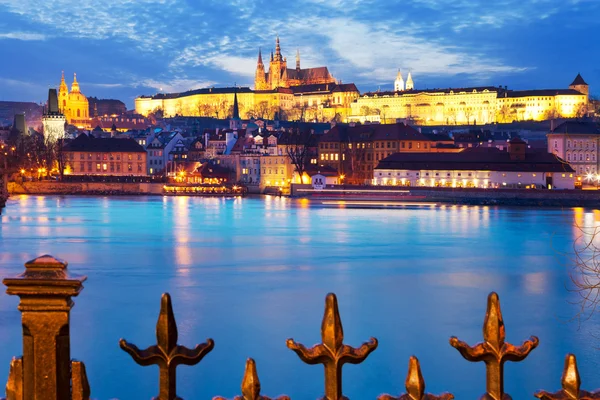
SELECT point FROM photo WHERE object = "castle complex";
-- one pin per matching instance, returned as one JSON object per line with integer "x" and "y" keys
{"x": 314, "y": 94}
{"x": 473, "y": 105}
{"x": 309, "y": 93}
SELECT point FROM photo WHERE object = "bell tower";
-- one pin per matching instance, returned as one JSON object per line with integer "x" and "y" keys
{"x": 399, "y": 83}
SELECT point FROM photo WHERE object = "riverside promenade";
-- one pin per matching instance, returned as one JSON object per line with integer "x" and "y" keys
{"x": 365, "y": 195}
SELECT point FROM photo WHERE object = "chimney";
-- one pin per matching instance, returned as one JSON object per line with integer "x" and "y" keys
{"x": 552, "y": 125}
{"x": 516, "y": 149}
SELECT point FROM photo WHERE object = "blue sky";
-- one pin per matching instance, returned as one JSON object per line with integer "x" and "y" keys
{"x": 125, "y": 48}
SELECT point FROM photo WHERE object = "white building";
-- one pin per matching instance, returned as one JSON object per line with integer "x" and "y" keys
{"x": 53, "y": 121}
{"x": 477, "y": 168}
{"x": 158, "y": 151}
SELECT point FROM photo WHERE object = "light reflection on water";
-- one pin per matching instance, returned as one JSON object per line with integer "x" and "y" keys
{"x": 252, "y": 272}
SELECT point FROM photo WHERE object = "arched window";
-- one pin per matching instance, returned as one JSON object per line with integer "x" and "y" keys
{"x": 64, "y": 103}
{"x": 568, "y": 157}
{"x": 78, "y": 113}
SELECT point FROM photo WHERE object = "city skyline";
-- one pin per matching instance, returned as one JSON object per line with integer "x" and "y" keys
{"x": 120, "y": 52}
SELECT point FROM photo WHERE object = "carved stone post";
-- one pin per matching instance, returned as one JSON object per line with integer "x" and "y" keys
{"x": 45, "y": 290}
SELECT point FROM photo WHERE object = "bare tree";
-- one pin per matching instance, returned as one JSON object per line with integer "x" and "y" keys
{"x": 356, "y": 159}
{"x": 299, "y": 148}
{"x": 551, "y": 113}
{"x": 585, "y": 273}
{"x": 581, "y": 110}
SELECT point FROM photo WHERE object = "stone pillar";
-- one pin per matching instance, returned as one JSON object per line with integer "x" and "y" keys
{"x": 45, "y": 290}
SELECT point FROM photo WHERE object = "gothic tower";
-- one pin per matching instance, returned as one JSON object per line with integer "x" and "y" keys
{"x": 399, "y": 83}
{"x": 260, "y": 82}
{"x": 298, "y": 60}
{"x": 409, "y": 82}
{"x": 278, "y": 69}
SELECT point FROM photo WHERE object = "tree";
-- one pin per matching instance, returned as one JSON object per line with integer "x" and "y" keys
{"x": 262, "y": 109}
{"x": 581, "y": 110}
{"x": 355, "y": 157}
{"x": 585, "y": 274}
{"x": 298, "y": 147}
{"x": 551, "y": 113}
{"x": 157, "y": 113}
{"x": 384, "y": 112}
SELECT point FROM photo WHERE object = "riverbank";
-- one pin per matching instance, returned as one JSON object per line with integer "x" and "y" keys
{"x": 505, "y": 197}
{"x": 84, "y": 188}
{"x": 373, "y": 194}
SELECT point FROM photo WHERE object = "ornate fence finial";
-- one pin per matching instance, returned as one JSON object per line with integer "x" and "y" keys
{"x": 251, "y": 385}
{"x": 415, "y": 385}
{"x": 332, "y": 352}
{"x": 494, "y": 351}
{"x": 570, "y": 385}
{"x": 45, "y": 290}
{"x": 167, "y": 354}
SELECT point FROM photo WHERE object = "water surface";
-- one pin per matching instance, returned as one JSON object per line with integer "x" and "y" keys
{"x": 252, "y": 272}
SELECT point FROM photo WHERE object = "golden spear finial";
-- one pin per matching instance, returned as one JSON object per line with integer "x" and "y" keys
{"x": 494, "y": 351}
{"x": 251, "y": 385}
{"x": 167, "y": 354}
{"x": 332, "y": 352}
{"x": 570, "y": 385}
{"x": 415, "y": 385}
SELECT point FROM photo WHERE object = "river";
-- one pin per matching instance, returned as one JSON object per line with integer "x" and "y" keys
{"x": 252, "y": 272}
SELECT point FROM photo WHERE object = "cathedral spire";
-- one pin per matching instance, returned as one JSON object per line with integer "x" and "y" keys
{"x": 236, "y": 107}
{"x": 260, "y": 61}
{"x": 96, "y": 110}
{"x": 277, "y": 50}
{"x": 75, "y": 85}
{"x": 298, "y": 59}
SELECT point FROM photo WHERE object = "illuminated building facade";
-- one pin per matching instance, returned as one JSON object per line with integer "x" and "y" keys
{"x": 87, "y": 155}
{"x": 474, "y": 105}
{"x": 577, "y": 143}
{"x": 480, "y": 167}
{"x": 354, "y": 151}
{"x": 74, "y": 105}
{"x": 308, "y": 94}
{"x": 279, "y": 75}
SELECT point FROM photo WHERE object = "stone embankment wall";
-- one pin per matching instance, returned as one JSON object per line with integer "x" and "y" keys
{"x": 512, "y": 197}
{"x": 97, "y": 188}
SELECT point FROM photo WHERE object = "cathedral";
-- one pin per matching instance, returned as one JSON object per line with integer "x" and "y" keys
{"x": 280, "y": 76}
{"x": 73, "y": 105}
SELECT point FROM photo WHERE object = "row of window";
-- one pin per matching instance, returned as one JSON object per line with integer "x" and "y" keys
{"x": 105, "y": 156}
{"x": 588, "y": 144}
{"x": 581, "y": 157}
{"x": 106, "y": 167}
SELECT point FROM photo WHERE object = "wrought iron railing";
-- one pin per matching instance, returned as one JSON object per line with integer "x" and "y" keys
{"x": 46, "y": 371}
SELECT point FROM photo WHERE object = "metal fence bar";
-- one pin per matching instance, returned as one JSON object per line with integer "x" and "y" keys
{"x": 46, "y": 372}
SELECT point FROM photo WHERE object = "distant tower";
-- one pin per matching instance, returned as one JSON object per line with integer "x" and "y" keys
{"x": 53, "y": 121}
{"x": 235, "y": 122}
{"x": 298, "y": 60}
{"x": 580, "y": 85}
{"x": 410, "y": 85}
{"x": 260, "y": 78}
{"x": 63, "y": 95}
{"x": 399, "y": 83}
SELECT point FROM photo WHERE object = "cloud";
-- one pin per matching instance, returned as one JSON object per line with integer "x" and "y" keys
{"x": 174, "y": 85}
{"x": 377, "y": 53}
{"x": 23, "y": 36}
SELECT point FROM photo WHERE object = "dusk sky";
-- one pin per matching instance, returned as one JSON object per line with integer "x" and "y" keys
{"x": 125, "y": 48}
